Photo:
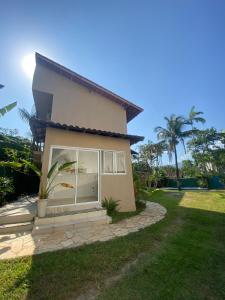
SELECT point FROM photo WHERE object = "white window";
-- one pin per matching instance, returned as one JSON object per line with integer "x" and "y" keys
{"x": 120, "y": 162}
{"x": 113, "y": 162}
{"x": 108, "y": 162}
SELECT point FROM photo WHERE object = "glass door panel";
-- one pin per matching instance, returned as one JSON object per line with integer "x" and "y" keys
{"x": 87, "y": 176}
{"x": 62, "y": 195}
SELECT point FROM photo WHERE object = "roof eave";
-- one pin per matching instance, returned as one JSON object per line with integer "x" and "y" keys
{"x": 37, "y": 125}
{"x": 132, "y": 109}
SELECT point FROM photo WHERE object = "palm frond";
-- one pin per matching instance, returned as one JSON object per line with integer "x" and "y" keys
{"x": 32, "y": 167}
{"x": 199, "y": 120}
{"x": 13, "y": 165}
{"x": 7, "y": 108}
{"x": 66, "y": 165}
{"x": 25, "y": 115}
{"x": 52, "y": 169}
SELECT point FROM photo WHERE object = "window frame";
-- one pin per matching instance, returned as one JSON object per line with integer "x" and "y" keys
{"x": 114, "y": 171}
{"x": 103, "y": 167}
{"x": 116, "y": 166}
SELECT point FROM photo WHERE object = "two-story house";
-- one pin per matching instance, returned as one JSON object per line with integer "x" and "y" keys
{"x": 79, "y": 120}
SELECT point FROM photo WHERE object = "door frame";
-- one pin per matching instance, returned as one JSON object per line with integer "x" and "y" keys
{"x": 76, "y": 174}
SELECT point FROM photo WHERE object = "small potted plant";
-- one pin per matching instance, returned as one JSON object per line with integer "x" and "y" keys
{"x": 46, "y": 189}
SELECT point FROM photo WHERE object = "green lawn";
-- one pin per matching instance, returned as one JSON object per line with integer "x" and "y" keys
{"x": 181, "y": 257}
{"x": 118, "y": 216}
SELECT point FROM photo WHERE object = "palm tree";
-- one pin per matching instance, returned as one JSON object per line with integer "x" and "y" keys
{"x": 27, "y": 116}
{"x": 194, "y": 117}
{"x": 172, "y": 135}
{"x": 8, "y": 107}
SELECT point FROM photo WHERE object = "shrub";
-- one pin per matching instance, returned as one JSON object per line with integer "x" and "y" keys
{"x": 6, "y": 188}
{"x": 110, "y": 205}
{"x": 140, "y": 205}
{"x": 203, "y": 181}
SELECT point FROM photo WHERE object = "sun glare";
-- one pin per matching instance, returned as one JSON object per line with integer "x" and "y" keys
{"x": 28, "y": 64}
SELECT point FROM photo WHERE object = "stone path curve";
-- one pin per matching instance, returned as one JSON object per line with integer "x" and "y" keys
{"x": 17, "y": 245}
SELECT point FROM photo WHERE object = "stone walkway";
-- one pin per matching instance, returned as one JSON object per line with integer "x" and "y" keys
{"x": 17, "y": 245}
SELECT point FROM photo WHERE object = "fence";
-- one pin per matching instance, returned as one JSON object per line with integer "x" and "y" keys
{"x": 214, "y": 182}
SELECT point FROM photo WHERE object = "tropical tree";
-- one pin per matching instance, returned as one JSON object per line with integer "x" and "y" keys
{"x": 172, "y": 135}
{"x": 208, "y": 151}
{"x": 151, "y": 153}
{"x": 194, "y": 117}
{"x": 189, "y": 168}
{"x": 7, "y": 108}
{"x": 27, "y": 116}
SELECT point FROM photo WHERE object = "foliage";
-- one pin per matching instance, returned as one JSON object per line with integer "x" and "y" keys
{"x": 13, "y": 150}
{"x": 55, "y": 169}
{"x": 208, "y": 151}
{"x": 7, "y": 108}
{"x": 156, "y": 177}
{"x": 6, "y": 188}
{"x": 27, "y": 117}
{"x": 173, "y": 134}
{"x": 189, "y": 169}
{"x": 140, "y": 183}
{"x": 169, "y": 171}
{"x": 194, "y": 117}
{"x": 110, "y": 205}
{"x": 151, "y": 153}
{"x": 118, "y": 216}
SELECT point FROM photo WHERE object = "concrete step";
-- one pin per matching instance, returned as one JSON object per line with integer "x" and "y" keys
{"x": 16, "y": 227}
{"x": 70, "y": 216}
{"x": 61, "y": 209}
{"x": 16, "y": 218}
{"x": 49, "y": 225}
{"x": 18, "y": 212}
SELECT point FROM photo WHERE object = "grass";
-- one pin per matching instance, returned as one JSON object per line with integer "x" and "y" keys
{"x": 182, "y": 258}
{"x": 118, "y": 216}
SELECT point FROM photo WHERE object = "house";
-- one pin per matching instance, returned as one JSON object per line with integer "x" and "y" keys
{"x": 78, "y": 120}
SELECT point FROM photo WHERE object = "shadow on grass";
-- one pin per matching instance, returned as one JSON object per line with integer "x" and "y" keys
{"x": 185, "y": 241}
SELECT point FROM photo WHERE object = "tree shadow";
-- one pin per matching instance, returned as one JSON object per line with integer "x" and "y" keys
{"x": 57, "y": 275}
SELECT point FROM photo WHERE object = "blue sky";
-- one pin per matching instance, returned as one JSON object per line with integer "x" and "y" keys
{"x": 164, "y": 55}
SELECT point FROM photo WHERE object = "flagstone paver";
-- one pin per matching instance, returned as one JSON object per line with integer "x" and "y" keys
{"x": 23, "y": 244}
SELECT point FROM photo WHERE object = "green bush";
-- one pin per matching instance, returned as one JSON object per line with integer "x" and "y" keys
{"x": 203, "y": 181}
{"x": 110, "y": 205}
{"x": 6, "y": 188}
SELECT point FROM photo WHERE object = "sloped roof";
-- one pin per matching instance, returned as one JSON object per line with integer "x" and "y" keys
{"x": 132, "y": 110}
{"x": 38, "y": 129}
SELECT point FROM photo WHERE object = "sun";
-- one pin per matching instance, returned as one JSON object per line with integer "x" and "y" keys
{"x": 28, "y": 64}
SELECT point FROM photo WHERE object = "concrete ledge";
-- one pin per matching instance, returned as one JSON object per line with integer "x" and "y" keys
{"x": 41, "y": 228}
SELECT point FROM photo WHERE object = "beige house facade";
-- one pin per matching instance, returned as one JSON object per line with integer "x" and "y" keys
{"x": 78, "y": 120}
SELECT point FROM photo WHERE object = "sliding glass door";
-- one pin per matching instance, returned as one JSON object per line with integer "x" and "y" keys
{"x": 62, "y": 195}
{"x": 87, "y": 176}
{"x": 83, "y": 176}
